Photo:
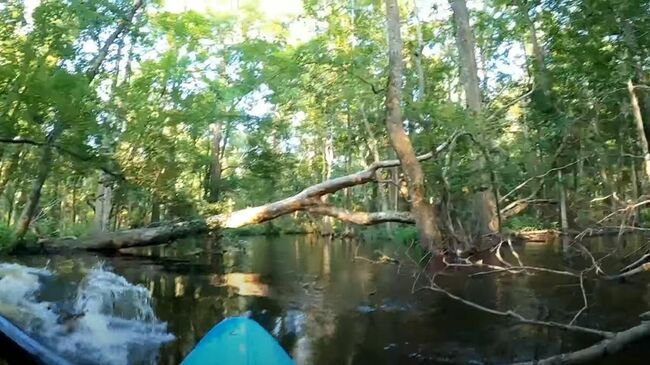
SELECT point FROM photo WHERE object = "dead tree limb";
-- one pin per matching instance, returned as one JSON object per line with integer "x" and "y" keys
{"x": 307, "y": 200}
{"x": 518, "y": 317}
{"x": 362, "y": 218}
{"x": 639, "y": 269}
{"x": 61, "y": 149}
{"x": 584, "y": 299}
{"x": 636, "y": 263}
{"x": 525, "y": 182}
{"x": 521, "y": 205}
{"x": 606, "y": 347}
{"x": 625, "y": 209}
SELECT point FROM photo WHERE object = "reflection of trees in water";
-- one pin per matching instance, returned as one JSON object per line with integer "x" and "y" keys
{"x": 308, "y": 294}
{"x": 244, "y": 284}
{"x": 295, "y": 290}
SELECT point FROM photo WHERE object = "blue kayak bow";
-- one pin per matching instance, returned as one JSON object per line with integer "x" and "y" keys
{"x": 238, "y": 341}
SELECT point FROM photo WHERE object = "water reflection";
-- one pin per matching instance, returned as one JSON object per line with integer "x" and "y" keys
{"x": 326, "y": 308}
{"x": 244, "y": 284}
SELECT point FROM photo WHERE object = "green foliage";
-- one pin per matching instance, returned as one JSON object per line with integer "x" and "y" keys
{"x": 526, "y": 223}
{"x": 405, "y": 235}
{"x": 180, "y": 94}
{"x": 7, "y": 237}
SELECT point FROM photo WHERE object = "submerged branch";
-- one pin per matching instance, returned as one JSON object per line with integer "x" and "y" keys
{"x": 639, "y": 269}
{"x": 521, "y": 319}
{"x": 610, "y": 345}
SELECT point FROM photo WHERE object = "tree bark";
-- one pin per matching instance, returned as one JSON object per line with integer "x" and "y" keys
{"x": 564, "y": 220}
{"x": 73, "y": 202}
{"x": 103, "y": 203}
{"x": 215, "y": 164}
{"x": 382, "y": 194}
{"x": 11, "y": 203}
{"x": 99, "y": 58}
{"x": 486, "y": 205}
{"x": 542, "y": 97}
{"x": 328, "y": 157}
{"x": 422, "y": 211}
{"x": 155, "y": 208}
{"x": 418, "y": 53}
{"x": 606, "y": 347}
{"x": 635, "y": 55}
{"x": 104, "y": 200}
{"x": 467, "y": 54}
{"x": 640, "y": 129}
{"x": 362, "y": 218}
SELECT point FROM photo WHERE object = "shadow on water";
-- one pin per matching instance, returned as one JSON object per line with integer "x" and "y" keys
{"x": 326, "y": 308}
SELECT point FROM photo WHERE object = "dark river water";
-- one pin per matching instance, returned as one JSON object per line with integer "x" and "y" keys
{"x": 325, "y": 307}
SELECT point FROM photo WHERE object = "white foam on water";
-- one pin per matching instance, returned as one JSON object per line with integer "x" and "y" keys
{"x": 116, "y": 324}
{"x": 18, "y": 288}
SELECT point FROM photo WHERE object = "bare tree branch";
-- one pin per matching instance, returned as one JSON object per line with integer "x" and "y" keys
{"x": 64, "y": 150}
{"x": 584, "y": 299}
{"x": 362, "y": 218}
{"x": 518, "y": 187}
{"x": 610, "y": 345}
{"x": 521, "y": 319}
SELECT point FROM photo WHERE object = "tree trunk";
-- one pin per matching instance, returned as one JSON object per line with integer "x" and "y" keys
{"x": 394, "y": 175}
{"x": 564, "y": 221}
{"x": 104, "y": 200}
{"x": 73, "y": 203}
{"x": 11, "y": 203}
{"x": 483, "y": 60}
{"x": 42, "y": 172}
{"x": 422, "y": 211}
{"x": 382, "y": 194}
{"x": 640, "y": 78}
{"x": 418, "y": 53}
{"x": 348, "y": 156}
{"x": 640, "y": 129}
{"x": 634, "y": 178}
{"x": 467, "y": 54}
{"x": 215, "y": 163}
{"x": 485, "y": 200}
{"x": 328, "y": 157}
{"x": 155, "y": 209}
{"x": 103, "y": 203}
{"x": 45, "y": 162}
{"x": 8, "y": 168}
{"x": 606, "y": 348}
{"x": 98, "y": 60}
{"x": 542, "y": 97}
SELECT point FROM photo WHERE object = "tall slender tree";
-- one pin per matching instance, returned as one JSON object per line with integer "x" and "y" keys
{"x": 423, "y": 212}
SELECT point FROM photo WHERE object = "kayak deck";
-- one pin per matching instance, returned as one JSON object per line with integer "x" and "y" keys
{"x": 238, "y": 341}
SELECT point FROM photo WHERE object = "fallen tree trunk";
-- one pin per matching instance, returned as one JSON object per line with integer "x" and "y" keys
{"x": 542, "y": 235}
{"x": 363, "y": 218}
{"x": 606, "y": 347}
{"x": 307, "y": 200}
{"x": 520, "y": 205}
